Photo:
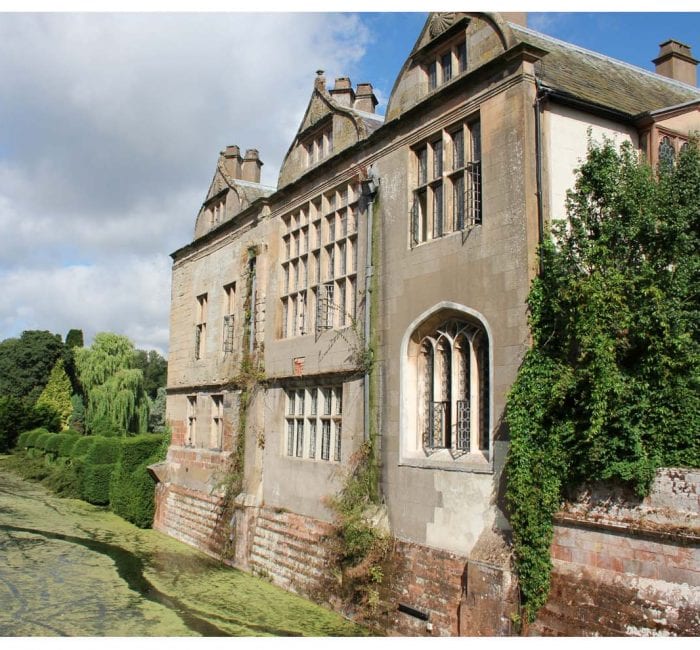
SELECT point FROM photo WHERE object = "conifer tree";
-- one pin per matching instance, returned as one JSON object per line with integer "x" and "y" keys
{"x": 57, "y": 393}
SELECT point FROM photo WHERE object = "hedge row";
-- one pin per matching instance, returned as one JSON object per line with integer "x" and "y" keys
{"x": 102, "y": 470}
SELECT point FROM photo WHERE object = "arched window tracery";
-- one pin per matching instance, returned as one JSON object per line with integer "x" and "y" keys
{"x": 453, "y": 388}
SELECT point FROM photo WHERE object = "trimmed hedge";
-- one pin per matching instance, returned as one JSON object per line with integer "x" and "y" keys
{"x": 22, "y": 439}
{"x": 82, "y": 446}
{"x": 132, "y": 488}
{"x": 42, "y": 439}
{"x": 66, "y": 447}
{"x": 95, "y": 483}
{"x": 103, "y": 450}
{"x": 53, "y": 444}
{"x": 32, "y": 437}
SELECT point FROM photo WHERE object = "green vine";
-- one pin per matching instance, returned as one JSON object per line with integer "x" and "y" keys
{"x": 250, "y": 377}
{"x": 362, "y": 547}
{"x": 609, "y": 390}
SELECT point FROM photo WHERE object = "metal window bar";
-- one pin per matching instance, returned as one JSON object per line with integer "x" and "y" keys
{"x": 300, "y": 402}
{"x": 325, "y": 439}
{"x": 438, "y": 227}
{"x": 437, "y": 159}
{"x": 463, "y": 425}
{"x": 314, "y": 401}
{"x": 291, "y": 397}
{"x": 432, "y": 75}
{"x": 300, "y": 438}
{"x": 338, "y": 441}
{"x": 312, "y": 438}
{"x": 338, "y": 401}
{"x": 458, "y": 201}
{"x": 458, "y": 150}
{"x": 327, "y": 400}
{"x": 434, "y": 436}
{"x": 446, "y": 63}
{"x": 228, "y": 333}
{"x": 324, "y": 307}
{"x": 290, "y": 437}
{"x": 331, "y": 262}
{"x": 198, "y": 341}
{"x": 415, "y": 232}
{"x": 473, "y": 193}
{"x": 422, "y": 165}
{"x": 342, "y": 251}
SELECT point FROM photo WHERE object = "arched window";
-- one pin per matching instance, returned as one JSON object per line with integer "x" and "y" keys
{"x": 667, "y": 154}
{"x": 452, "y": 387}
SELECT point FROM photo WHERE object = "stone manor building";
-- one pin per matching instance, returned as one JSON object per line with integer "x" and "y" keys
{"x": 412, "y": 235}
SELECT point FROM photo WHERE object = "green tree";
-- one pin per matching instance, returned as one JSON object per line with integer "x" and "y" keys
{"x": 156, "y": 417}
{"x": 113, "y": 386}
{"x": 74, "y": 339}
{"x": 609, "y": 390}
{"x": 26, "y": 363}
{"x": 155, "y": 370}
{"x": 57, "y": 393}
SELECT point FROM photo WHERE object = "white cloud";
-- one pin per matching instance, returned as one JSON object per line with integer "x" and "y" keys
{"x": 112, "y": 124}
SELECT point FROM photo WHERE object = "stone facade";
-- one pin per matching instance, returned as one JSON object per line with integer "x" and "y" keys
{"x": 415, "y": 233}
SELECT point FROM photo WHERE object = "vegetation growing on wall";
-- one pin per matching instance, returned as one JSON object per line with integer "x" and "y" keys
{"x": 609, "y": 390}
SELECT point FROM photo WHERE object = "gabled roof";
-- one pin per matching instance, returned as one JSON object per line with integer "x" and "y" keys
{"x": 601, "y": 80}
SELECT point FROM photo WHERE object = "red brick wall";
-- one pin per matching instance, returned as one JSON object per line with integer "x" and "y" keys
{"x": 625, "y": 578}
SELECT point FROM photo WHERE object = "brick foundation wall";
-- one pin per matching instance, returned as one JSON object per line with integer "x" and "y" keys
{"x": 627, "y": 568}
{"x": 461, "y": 597}
{"x": 189, "y": 516}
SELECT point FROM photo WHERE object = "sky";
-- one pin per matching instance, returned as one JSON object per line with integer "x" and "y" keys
{"x": 111, "y": 125}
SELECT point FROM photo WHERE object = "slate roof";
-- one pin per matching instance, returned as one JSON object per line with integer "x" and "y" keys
{"x": 601, "y": 80}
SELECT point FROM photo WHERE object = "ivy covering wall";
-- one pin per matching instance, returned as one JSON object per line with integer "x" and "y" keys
{"x": 609, "y": 390}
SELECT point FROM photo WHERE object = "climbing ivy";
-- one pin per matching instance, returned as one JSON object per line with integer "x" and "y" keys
{"x": 609, "y": 390}
{"x": 249, "y": 379}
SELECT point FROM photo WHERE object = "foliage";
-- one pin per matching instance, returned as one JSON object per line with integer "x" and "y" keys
{"x": 33, "y": 436}
{"x": 43, "y": 439}
{"x": 82, "y": 446}
{"x": 361, "y": 551}
{"x": 114, "y": 388}
{"x": 54, "y": 443}
{"x": 74, "y": 339}
{"x": 132, "y": 490}
{"x": 95, "y": 483}
{"x": 156, "y": 414}
{"x": 17, "y": 415}
{"x": 57, "y": 394}
{"x": 65, "y": 449}
{"x": 26, "y": 362}
{"x": 103, "y": 450}
{"x": 609, "y": 390}
{"x": 155, "y": 370}
{"x": 77, "y": 417}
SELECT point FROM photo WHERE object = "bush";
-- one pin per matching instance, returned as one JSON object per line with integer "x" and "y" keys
{"x": 41, "y": 440}
{"x": 103, "y": 426}
{"x": 54, "y": 443}
{"x": 103, "y": 451}
{"x": 22, "y": 439}
{"x": 132, "y": 488}
{"x": 31, "y": 439}
{"x": 95, "y": 482}
{"x": 82, "y": 446}
{"x": 66, "y": 446}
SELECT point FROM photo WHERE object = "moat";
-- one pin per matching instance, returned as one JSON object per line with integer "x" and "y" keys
{"x": 71, "y": 569}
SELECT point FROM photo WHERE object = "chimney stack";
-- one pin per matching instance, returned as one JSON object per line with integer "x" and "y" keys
{"x": 232, "y": 161}
{"x": 365, "y": 99}
{"x": 343, "y": 93}
{"x": 676, "y": 61}
{"x": 250, "y": 169}
{"x": 320, "y": 81}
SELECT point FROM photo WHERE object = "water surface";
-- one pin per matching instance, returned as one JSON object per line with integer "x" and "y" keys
{"x": 68, "y": 568}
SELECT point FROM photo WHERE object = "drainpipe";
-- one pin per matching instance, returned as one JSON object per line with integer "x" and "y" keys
{"x": 370, "y": 187}
{"x": 539, "y": 97}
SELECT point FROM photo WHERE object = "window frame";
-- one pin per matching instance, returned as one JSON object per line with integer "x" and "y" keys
{"x": 411, "y": 449}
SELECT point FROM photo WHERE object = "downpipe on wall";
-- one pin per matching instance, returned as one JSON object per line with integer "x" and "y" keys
{"x": 370, "y": 187}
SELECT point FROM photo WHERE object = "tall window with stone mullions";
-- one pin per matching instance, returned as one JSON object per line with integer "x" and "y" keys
{"x": 314, "y": 423}
{"x": 319, "y": 267}
{"x": 447, "y": 191}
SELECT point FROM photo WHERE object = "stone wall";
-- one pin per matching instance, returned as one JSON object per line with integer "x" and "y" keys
{"x": 627, "y": 567}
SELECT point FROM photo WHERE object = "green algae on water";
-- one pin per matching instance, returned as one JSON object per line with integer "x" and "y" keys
{"x": 68, "y": 568}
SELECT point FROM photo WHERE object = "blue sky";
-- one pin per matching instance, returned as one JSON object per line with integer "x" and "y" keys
{"x": 112, "y": 124}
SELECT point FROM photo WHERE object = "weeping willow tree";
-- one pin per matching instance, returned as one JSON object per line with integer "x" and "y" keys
{"x": 113, "y": 386}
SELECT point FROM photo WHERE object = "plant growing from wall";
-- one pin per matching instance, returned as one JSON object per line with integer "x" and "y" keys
{"x": 250, "y": 377}
{"x": 609, "y": 390}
